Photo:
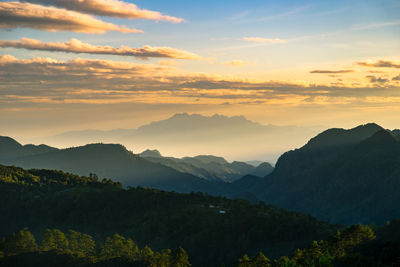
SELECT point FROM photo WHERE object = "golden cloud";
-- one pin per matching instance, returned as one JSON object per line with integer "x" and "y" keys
{"x": 104, "y": 81}
{"x": 109, "y": 8}
{"x": 25, "y": 15}
{"x": 373, "y": 79}
{"x": 380, "y": 64}
{"x": 76, "y": 46}
{"x": 331, "y": 71}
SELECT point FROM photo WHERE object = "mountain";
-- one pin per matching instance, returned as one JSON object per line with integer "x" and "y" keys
{"x": 203, "y": 173}
{"x": 150, "y": 154}
{"x": 343, "y": 176}
{"x": 396, "y": 132}
{"x": 9, "y": 148}
{"x": 208, "y": 167}
{"x": 107, "y": 160}
{"x": 255, "y": 163}
{"x": 232, "y": 137}
{"x": 263, "y": 169}
{"x": 40, "y": 199}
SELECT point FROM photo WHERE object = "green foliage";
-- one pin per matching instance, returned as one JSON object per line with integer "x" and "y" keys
{"x": 153, "y": 217}
{"x": 245, "y": 261}
{"x": 258, "y": 261}
{"x": 339, "y": 245}
{"x": 21, "y": 242}
{"x": 180, "y": 258}
{"x": 76, "y": 248}
{"x": 261, "y": 261}
{"x": 80, "y": 244}
{"x": 344, "y": 241}
{"x": 284, "y": 261}
{"x": 342, "y": 245}
{"x": 163, "y": 258}
{"x": 34, "y": 177}
{"x": 119, "y": 246}
{"x": 54, "y": 240}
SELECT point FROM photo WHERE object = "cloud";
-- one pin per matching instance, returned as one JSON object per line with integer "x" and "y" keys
{"x": 168, "y": 62}
{"x": 109, "y": 8}
{"x": 396, "y": 78}
{"x": 45, "y": 80}
{"x": 331, "y": 71}
{"x": 373, "y": 79}
{"x": 380, "y": 64}
{"x": 264, "y": 40}
{"x": 236, "y": 63}
{"x": 76, "y": 46}
{"x": 25, "y": 15}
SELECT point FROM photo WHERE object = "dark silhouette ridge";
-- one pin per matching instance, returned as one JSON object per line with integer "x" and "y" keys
{"x": 345, "y": 176}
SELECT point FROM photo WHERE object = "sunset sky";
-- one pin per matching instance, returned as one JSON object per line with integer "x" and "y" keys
{"x": 104, "y": 64}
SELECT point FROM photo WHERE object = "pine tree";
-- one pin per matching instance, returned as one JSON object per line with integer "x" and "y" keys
{"x": 119, "y": 246}
{"x": 261, "y": 261}
{"x": 80, "y": 244}
{"x": 245, "y": 261}
{"x": 21, "y": 242}
{"x": 54, "y": 240}
{"x": 180, "y": 258}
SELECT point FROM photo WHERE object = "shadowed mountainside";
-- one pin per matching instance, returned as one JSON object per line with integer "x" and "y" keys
{"x": 345, "y": 176}
{"x": 209, "y": 167}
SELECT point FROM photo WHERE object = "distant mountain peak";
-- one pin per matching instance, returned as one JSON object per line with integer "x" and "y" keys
{"x": 210, "y": 158}
{"x": 151, "y": 153}
{"x": 217, "y": 116}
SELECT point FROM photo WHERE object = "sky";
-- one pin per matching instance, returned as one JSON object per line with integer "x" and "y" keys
{"x": 105, "y": 64}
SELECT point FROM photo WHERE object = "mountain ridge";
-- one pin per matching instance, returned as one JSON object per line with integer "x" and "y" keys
{"x": 350, "y": 181}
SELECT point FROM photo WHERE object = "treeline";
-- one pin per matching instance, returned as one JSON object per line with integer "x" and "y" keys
{"x": 355, "y": 246}
{"x": 21, "y": 249}
{"x": 43, "y": 177}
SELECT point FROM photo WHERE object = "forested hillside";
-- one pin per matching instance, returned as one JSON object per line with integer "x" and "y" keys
{"x": 213, "y": 230}
{"x": 344, "y": 176}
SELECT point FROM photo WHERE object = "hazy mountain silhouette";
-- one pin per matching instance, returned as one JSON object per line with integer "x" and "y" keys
{"x": 255, "y": 163}
{"x": 233, "y": 137}
{"x": 208, "y": 167}
{"x": 9, "y": 148}
{"x": 345, "y": 176}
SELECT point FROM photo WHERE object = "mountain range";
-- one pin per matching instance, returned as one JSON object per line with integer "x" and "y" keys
{"x": 209, "y": 167}
{"x": 232, "y": 137}
{"x": 150, "y": 169}
{"x": 341, "y": 176}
